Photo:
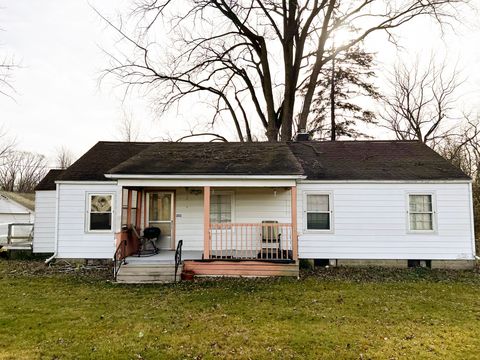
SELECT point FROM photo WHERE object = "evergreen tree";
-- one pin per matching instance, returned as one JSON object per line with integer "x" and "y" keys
{"x": 353, "y": 78}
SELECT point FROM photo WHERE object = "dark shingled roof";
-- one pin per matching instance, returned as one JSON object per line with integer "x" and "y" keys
{"x": 100, "y": 159}
{"x": 259, "y": 158}
{"x": 339, "y": 160}
{"x": 48, "y": 182}
{"x": 373, "y": 160}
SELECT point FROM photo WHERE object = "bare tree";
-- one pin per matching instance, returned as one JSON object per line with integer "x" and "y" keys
{"x": 64, "y": 157}
{"x": 6, "y": 70}
{"x": 463, "y": 150}
{"x": 422, "y": 102}
{"x": 22, "y": 172}
{"x": 250, "y": 59}
{"x": 7, "y": 145}
{"x": 127, "y": 129}
{"x": 7, "y": 65}
{"x": 462, "y": 146}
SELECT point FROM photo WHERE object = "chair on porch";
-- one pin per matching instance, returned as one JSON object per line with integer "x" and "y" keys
{"x": 147, "y": 246}
{"x": 271, "y": 240}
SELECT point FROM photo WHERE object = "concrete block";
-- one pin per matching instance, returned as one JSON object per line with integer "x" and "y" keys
{"x": 375, "y": 262}
{"x": 453, "y": 264}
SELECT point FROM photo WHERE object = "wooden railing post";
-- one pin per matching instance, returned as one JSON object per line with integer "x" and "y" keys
{"x": 206, "y": 222}
{"x": 294, "y": 222}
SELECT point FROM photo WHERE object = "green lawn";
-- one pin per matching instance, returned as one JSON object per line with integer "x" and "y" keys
{"x": 332, "y": 313}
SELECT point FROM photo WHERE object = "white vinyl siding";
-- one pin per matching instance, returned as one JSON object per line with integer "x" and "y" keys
{"x": 44, "y": 228}
{"x": 74, "y": 239}
{"x": 371, "y": 222}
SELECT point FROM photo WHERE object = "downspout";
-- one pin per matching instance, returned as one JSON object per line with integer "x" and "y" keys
{"x": 57, "y": 202}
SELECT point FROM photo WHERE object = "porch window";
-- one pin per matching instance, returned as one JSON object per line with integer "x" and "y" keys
{"x": 133, "y": 206}
{"x": 318, "y": 212}
{"x": 420, "y": 214}
{"x": 221, "y": 208}
{"x": 100, "y": 207}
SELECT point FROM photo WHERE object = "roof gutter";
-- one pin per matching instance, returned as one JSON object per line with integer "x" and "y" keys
{"x": 444, "y": 181}
{"x": 210, "y": 176}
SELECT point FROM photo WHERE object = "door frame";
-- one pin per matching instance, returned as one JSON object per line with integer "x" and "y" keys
{"x": 173, "y": 211}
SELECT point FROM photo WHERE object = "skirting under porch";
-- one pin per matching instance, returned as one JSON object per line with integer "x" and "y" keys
{"x": 240, "y": 268}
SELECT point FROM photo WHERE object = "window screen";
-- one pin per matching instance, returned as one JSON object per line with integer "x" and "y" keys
{"x": 318, "y": 212}
{"x": 221, "y": 208}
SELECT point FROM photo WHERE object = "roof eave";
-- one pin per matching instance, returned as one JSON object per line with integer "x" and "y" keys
{"x": 205, "y": 176}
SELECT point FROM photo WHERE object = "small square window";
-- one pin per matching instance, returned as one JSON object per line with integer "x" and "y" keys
{"x": 100, "y": 212}
{"x": 318, "y": 212}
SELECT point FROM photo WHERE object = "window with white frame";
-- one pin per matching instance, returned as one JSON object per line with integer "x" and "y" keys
{"x": 318, "y": 212}
{"x": 420, "y": 212}
{"x": 100, "y": 209}
{"x": 221, "y": 207}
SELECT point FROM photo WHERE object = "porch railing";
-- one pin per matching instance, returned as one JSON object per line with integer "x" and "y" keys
{"x": 119, "y": 258}
{"x": 251, "y": 241}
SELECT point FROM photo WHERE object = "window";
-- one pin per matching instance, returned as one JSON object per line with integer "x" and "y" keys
{"x": 100, "y": 212}
{"x": 221, "y": 208}
{"x": 420, "y": 214}
{"x": 318, "y": 212}
{"x": 133, "y": 197}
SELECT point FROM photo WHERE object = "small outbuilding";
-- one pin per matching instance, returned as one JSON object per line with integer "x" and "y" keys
{"x": 15, "y": 208}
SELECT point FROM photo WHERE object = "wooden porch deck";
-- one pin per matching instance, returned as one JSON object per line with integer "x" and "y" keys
{"x": 160, "y": 268}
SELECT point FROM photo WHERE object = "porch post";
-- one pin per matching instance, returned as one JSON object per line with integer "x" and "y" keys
{"x": 129, "y": 207}
{"x": 138, "y": 220}
{"x": 206, "y": 222}
{"x": 293, "y": 193}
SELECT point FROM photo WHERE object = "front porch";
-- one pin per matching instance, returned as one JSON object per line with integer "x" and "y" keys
{"x": 262, "y": 242}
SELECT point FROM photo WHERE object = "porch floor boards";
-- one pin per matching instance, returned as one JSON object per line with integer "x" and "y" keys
{"x": 164, "y": 257}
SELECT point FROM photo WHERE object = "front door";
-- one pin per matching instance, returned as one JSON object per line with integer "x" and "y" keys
{"x": 160, "y": 214}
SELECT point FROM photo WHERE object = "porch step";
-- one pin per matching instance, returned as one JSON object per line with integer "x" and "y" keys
{"x": 148, "y": 273}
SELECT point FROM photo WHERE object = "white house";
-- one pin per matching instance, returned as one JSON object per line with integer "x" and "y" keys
{"x": 45, "y": 203}
{"x": 15, "y": 208}
{"x": 255, "y": 209}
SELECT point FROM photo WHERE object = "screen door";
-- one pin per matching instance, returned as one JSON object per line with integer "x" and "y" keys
{"x": 160, "y": 214}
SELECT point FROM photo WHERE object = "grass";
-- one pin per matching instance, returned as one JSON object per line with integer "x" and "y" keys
{"x": 330, "y": 313}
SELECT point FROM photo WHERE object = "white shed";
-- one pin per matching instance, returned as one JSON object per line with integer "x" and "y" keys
{"x": 15, "y": 209}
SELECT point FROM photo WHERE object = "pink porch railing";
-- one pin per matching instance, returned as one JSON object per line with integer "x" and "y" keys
{"x": 247, "y": 241}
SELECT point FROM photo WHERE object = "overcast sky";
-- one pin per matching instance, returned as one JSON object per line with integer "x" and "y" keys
{"x": 60, "y": 103}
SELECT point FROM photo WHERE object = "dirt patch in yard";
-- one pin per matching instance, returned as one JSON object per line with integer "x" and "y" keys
{"x": 25, "y": 268}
